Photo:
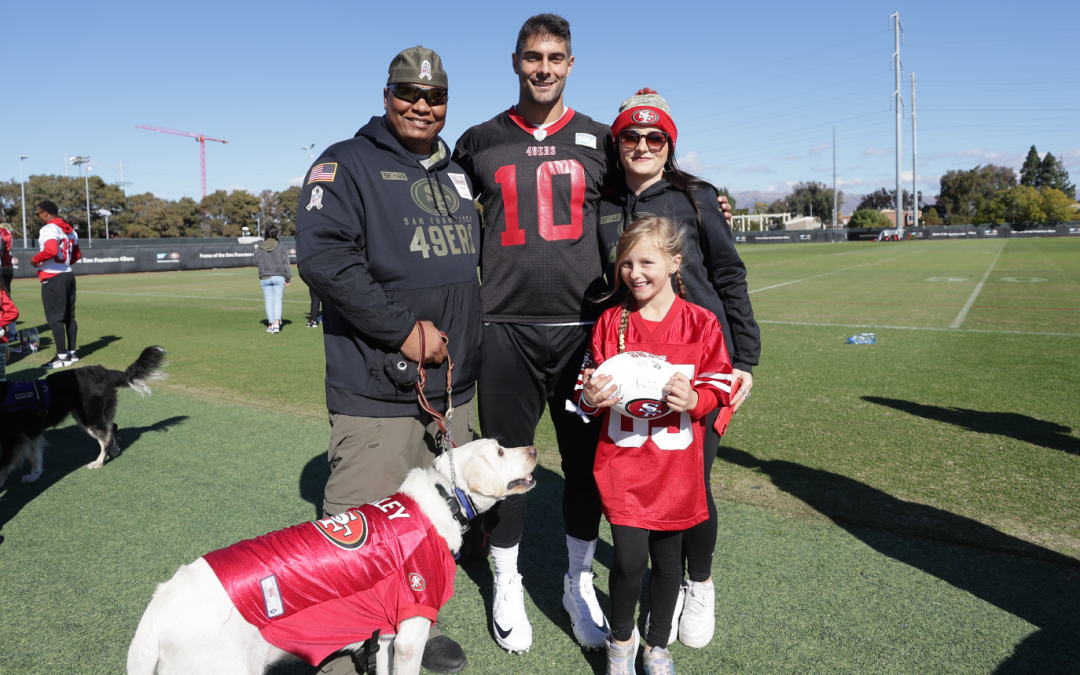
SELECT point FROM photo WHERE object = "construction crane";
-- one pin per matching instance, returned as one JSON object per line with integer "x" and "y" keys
{"x": 201, "y": 138}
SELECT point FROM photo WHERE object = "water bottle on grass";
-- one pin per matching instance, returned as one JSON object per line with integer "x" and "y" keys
{"x": 862, "y": 339}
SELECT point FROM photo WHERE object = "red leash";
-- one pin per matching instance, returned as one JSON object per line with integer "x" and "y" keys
{"x": 444, "y": 421}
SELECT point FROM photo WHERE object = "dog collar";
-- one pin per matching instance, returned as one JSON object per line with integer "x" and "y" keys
{"x": 460, "y": 505}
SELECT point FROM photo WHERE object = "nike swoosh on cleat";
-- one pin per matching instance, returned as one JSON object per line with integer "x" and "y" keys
{"x": 603, "y": 628}
{"x": 502, "y": 633}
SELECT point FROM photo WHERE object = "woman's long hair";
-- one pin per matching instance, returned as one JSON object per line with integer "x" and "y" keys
{"x": 686, "y": 183}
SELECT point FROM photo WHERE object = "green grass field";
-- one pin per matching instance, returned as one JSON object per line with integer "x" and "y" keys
{"x": 905, "y": 507}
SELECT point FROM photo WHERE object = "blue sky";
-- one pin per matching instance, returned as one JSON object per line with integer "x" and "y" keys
{"x": 755, "y": 88}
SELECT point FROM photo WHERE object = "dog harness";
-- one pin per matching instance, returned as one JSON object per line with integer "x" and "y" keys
{"x": 316, "y": 587}
{"x": 22, "y": 397}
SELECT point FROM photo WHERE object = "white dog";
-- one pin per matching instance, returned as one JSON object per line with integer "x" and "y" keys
{"x": 298, "y": 591}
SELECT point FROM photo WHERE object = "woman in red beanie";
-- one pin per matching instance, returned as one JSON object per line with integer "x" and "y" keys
{"x": 715, "y": 278}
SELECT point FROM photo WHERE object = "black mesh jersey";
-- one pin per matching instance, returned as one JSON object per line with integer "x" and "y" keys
{"x": 540, "y": 188}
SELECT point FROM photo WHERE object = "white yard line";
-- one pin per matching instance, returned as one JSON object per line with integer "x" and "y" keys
{"x": 187, "y": 297}
{"x": 978, "y": 289}
{"x": 816, "y": 276}
{"x": 940, "y": 330}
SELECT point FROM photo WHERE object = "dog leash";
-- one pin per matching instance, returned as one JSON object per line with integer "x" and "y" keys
{"x": 443, "y": 421}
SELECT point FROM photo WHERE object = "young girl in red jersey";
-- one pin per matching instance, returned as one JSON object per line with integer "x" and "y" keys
{"x": 650, "y": 471}
{"x": 8, "y": 314}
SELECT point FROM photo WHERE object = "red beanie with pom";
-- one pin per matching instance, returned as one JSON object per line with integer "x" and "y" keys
{"x": 648, "y": 109}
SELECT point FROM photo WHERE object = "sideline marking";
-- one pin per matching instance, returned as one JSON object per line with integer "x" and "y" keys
{"x": 188, "y": 297}
{"x": 978, "y": 289}
{"x": 941, "y": 330}
{"x": 872, "y": 262}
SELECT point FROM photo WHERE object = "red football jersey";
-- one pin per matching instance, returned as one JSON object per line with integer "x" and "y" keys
{"x": 316, "y": 587}
{"x": 650, "y": 471}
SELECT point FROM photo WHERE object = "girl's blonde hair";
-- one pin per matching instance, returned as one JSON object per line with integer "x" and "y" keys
{"x": 666, "y": 237}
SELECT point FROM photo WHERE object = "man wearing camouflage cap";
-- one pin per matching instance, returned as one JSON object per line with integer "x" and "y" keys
{"x": 388, "y": 237}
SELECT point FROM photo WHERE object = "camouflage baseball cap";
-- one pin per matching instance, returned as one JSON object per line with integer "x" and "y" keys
{"x": 418, "y": 66}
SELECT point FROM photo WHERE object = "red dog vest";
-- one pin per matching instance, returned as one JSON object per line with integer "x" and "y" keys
{"x": 314, "y": 588}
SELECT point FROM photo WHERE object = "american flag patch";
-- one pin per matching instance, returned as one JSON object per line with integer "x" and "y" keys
{"x": 323, "y": 173}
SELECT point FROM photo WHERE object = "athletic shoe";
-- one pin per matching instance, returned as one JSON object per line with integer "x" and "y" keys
{"x": 512, "y": 629}
{"x": 276, "y": 329}
{"x": 620, "y": 660}
{"x": 698, "y": 621}
{"x": 657, "y": 661}
{"x": 58, "y": 362}
{"x": 270, "y": 328}
{"x": 72, "y": 356}
{"x": 443, "y": 655}
{"x": 312, "y": 324}
{"x": 674, "y": 618}
{"x": 588, "y": 620}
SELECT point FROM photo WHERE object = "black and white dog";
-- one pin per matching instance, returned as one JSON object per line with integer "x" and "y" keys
{"x": 88, "y": 394}
{"x": 383, "y": 569}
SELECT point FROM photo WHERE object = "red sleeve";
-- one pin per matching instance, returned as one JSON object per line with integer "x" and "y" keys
{"x": 714, "y": 371}
{"x": 8, "y": 311}
{"x": 49, "y": 252}
{"x": 706, "y": 402}
{"x": 76, "y": 255}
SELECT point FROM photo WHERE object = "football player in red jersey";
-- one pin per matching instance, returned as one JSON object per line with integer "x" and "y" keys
{"x": 649, "y": 466}
{"x": 538, "y": 169}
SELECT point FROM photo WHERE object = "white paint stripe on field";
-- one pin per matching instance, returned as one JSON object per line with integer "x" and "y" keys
{"x": 187, "y": 297}
{"x": 939, "y": 330}
{"x": 816, "y": 276}
{"x": 978, "y": 289}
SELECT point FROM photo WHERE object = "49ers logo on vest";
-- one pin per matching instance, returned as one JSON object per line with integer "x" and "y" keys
{"x": 644, "y": 116}
{"x": 416, "y": 582}
{"x": 347, "y": 530}
{"x": 647, "y": 408}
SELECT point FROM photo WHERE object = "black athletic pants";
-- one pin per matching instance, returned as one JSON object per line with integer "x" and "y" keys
{"x": 314, "y": 304}
{"x": 699, "y": 542}
{"x": 633, "y": 548}
{"x": 58, "y": 299}
{"x": 525, "y": 367}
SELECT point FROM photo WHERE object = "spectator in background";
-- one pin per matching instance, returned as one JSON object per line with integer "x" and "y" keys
{"x": 275, "y": 273}
{"x": 8, "y": 314}
{"x": 58, "y": 249}
{"x": 7, "y": 271}
{"x": 313, "y": 320}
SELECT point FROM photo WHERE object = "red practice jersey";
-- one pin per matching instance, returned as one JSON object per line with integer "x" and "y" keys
{"x": 316, "y": 587}
{"x": 650, "y": 471}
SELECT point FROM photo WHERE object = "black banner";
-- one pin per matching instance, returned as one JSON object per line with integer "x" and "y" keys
{"x": 152, "y": 255}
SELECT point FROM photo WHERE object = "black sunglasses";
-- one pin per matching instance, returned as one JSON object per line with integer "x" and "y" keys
{"x": 654, "y": 140}
{"x": 413, "y": 93}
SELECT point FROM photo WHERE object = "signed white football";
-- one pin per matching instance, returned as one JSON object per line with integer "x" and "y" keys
{"x": 640, "y": 378}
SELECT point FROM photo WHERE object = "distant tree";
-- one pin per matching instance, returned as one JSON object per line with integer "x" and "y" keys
{"x": 930, "y": 217}
{"x": 148, "y": 216}
{"x": 289, "y": 201}
{"x": 240, "y": 209}
{"x": 869, "y": 218}
{"x": 812, "y": 198}
{"x": 965, "y": 195}
{"x": 778, "y": 206}
{"x": 759, "y": 207}
{"x": 1052, "y": 174}
{"x": 1029, "y": 173}
{"x": 69, "y": 195}
{"x": 1025, "y": 205}
{"x": 884, "y": 198}
{"x": 214, "y": 219}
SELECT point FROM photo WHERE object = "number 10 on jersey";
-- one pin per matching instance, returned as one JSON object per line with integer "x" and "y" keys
{"x": 506, "y": 177}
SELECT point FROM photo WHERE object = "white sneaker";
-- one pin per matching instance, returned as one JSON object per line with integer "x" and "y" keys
{"x": 698, "y": 622}
{"x": 72, "y": 356}
{"x": 512, "y": 629}
{"x": 620, "y": 660}
{"x": 588, "y": 620}
{"x": 674, "y": 618}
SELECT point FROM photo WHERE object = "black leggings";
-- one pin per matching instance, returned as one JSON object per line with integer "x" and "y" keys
{"x": 699, "y": 542}
{"x": 633, "y": 548}
{"x": 314, "y": 304}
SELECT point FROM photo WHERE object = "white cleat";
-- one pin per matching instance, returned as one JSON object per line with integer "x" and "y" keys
{"x": 588, "y": 620}
{"x": 512, "y": 629}
{"x": 698, "y": 622}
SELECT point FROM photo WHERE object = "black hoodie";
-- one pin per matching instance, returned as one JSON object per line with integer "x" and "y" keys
{"x": 382, "y": 253}
{"x": 713, "y": 272}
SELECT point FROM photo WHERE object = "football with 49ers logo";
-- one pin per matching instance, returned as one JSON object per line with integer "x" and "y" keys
{"x": 640, "y": 378}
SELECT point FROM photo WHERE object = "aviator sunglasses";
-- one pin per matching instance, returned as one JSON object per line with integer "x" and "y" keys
{"x": 654, "y": 140}
{"x": 413, "y": 93}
